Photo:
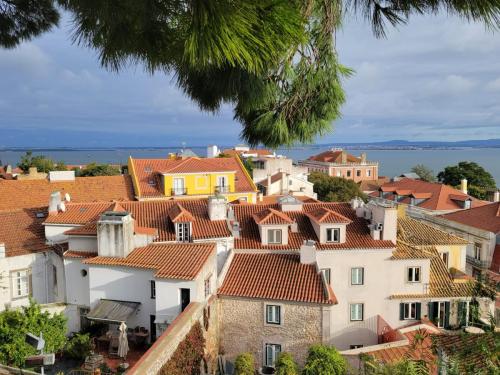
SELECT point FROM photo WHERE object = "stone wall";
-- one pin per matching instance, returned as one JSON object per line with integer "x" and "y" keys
{"x": 243, "y": 328}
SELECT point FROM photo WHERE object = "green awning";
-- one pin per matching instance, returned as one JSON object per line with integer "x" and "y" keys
{"x": 109, "y": 310}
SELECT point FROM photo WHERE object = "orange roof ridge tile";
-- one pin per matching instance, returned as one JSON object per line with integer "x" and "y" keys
{"x": 272, "y": 216}
{"x": 325, "y": 215}
{"x": 179, "y": 214}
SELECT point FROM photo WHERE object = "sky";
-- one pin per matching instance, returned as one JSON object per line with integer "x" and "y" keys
{"x": 437, "y": 78}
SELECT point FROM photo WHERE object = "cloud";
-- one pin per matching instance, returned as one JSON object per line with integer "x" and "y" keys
{"x": 493, "y": 85}
{"x": 28, "y": 59}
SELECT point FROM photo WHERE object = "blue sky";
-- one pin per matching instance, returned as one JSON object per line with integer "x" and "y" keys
{"x": 437, "y": 78}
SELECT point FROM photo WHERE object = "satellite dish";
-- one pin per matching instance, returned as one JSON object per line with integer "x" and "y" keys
{"x": 62, "y": 207}
{"x": 67, "y": 198}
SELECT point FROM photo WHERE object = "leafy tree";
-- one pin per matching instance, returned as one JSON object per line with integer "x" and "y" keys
{"x": 78, "y": 347}
{"x": 94, "y": 169}
{"x": 425, "y": 173}
{"x": 334, "y": 189}
{"x": 275, "y": 62}
{"x": 479, "y": 180}
{"x": 285, "y": 365}
{"x": 14, "y": 324}
{"x": 324, "y": 360}
{"x": 244, "y": 364}
{"x": 42, "y": 163}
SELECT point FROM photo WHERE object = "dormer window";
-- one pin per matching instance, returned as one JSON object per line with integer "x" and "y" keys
{"x": 333, "y": 235}
{"x": 183, "y": 232}
{"x": 274, "y": 236}
{"x": 273, "y": 226}
{"x": 182, "y": 220}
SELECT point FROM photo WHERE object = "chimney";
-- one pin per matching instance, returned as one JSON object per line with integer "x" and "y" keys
{"x": 32, "y": 171}
{"x": 463, "y": 185}
{"x": 294, "y": 228}
{"x": 344, "y": 157}
{"x": 212, "y": 151}
{"x": 356, "y": 202}
{"x": 268, "y": 190}
{"x": 217, "y": 209}
{"x": 235, "y": 229}
{"x": 363, "y": 158}
{"x": 260, "y": 196}
{"x": 496, "y": 196}
{"x": 115, "y": 234}
{"x": 308, "y": 252}
{"x": 384, "y": 219}
{"x": 54, "y": 202}
{"x": 2, "y": 250}
{"x": 8, "y": 170}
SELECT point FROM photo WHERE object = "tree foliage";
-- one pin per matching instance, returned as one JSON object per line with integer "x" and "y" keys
{"x": 244, "y": 364}
{"x": 188, "y": 356}
{"x": 324, "y": 360}
{"x": 274, "y": 61}
{"x": 285, "y": 365}
{"x": 425, "y": 173}
{"x": 479, "y": 180}
{"x": 42, "y": 163}
{"x": 14, "y": 324}
{"x": 78, "y": 347}
{"x": 94, "y": 169}
{"x": 335, "y": 189}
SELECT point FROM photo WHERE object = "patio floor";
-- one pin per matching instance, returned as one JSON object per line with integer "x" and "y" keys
{"x": 133, "y": 356}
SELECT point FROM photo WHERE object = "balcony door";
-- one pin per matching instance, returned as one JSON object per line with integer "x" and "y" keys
{"x": 179, "y": 186}
{"x": 222, "y": 184}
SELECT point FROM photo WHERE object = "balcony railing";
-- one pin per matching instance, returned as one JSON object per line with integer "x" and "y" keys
{"x": 478, "y": 263}
{"x": 222, "y": 189}
{"x": 179, "y": 191}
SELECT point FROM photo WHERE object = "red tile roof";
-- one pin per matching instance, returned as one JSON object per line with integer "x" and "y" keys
{"x": 275, "y": 277}
{"x": 89, "y": 229}
{"x": 486, "y": 217}
{"x": 357, "y": 233}
{"x": 171, "y": 261}
{"x": 439, "y": 196}
{"x": 22, "y": 231}
{"x": 35, "y": 193}
{"x": 79, "y": 254}
{"x": 271, "y": 216}
{"x": 257, "y": 151}
{"x": 149, "y": 214}
{"x": 325, "y": 215}
{"x": 179, "y": 214}
{"x": 495, "y": 260}
{"x": 331, "y": 156}
{"x": 148, "y": 172}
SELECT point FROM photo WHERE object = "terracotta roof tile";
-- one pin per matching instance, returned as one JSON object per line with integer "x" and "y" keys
{"x": 271, "y": 216}
{"x": 148, "y": 172}
{"x": 486, "y": 217}
{"x": 178, "y": 213}
{"x": 257, "y": 151}
{"x": 35, "y": 193}
{"x": 331, "y": 156}
{"x": 171, "y": 261}
{"x": 325, "y": 215}
{"x": 439, "y": 196}
{"x": 276, "y": 277}
{"x": 419, "y": 233}
{"x": 357, "y": 233}
{"x": 22, "y": 231}
{"x": 79, "y": 254}
{"x": 89, "y": 229}
{"x": 149, "y": 214}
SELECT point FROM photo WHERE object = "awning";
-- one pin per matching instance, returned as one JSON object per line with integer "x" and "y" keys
{"x": 108, "y": 310}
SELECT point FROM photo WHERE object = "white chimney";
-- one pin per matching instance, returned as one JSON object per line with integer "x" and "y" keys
{"x": 496, "y": 196}
{"x": 217, "y": 208}
{"x": 2, "y": 250}
{"x": 54, "y": 202}
{"x": 235, "y": 229}
{"x": 463, "y": 186}
{"x": 115, "y": 234}
{"x": 385, "y": 219}
{"x": 308, "y": 252}
{"x": 356, "y": 202}
{"x": 212, "y": 151}
{"x": 8, "y": 170}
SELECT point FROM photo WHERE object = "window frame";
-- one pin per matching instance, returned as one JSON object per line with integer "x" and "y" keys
{"x": 277, "y": 314}
{"x": 274, "y": 354}
{"x": 368, "y": 173}
{"x": 362, "y": 311}
{"x": 327, "y": 274}
{"x": 409, "y": 305}
{"x": 408, "y": 269}
{"x": 152, "y": 289}
{"x": 183, "y": 231}
{"x": 274, "y": 241}
{"x": 358, "y": 172}
{"x": 362, "y": 275}
{"x": 333, "y": 230}
{"x": 478, "y": 246}
{"x": 16, "y": 284}
{"x": 207, "y": 283}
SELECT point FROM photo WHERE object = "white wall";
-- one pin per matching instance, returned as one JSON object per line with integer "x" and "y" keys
{"x": 77, "y": 285}
{"x": 84, "y": 243}
{"x": 54, "y": 232}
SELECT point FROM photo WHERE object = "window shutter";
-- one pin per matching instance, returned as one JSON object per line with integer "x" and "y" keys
{"x": 268, "y": 311}
{"x": 418, "y": 310}
{"x": 269, "y": 355}
{"x": 278, "y": 314}
{"x": 430, "y": 306}
{"x": 446, "y": 315}
{"x": 30, "y": 284}
{"x": 401, "y": 311}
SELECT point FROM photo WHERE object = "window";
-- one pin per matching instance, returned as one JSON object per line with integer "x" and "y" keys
{"x": 357, "y": 276}
{"x": 83, "y": 272}
{"x": 152, "y": 286}
{"x": 208, "y": 289}
{"x": 332, "y": 235}
{"x": 339, "y": 174}
{"x": 243, "y": 199}
{"x": 20, "y": 283}
{"x": 326, "y": 273}
{"x": 54, "y": 278}
{"x": 445, "y": 257}
{"x": 358, "y": 173}
{"x": 272, "y": 352}
{"x": 409, "y": 311}
{"x": 355, "y": 346}
{"x": 183, "y": 232}
{"x": 368, "y": 172}
{"x": 356, "y": 311}
{"x": 273, "y": 314}
{"x": 414, "y": 274}
{"x": 477, "y": 250}
{"x": 274, "y": 236}
{"x": 348, "y": 173}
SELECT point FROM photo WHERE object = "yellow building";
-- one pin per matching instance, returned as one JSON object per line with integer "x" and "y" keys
{"x": 192, "y": 177}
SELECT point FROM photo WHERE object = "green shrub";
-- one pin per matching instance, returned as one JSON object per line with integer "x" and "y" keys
{"x": 244, "y": 364}
{"x": 324, "y": 360}
{"x": 78, "y": 347}
{"x": 285, "y": 365}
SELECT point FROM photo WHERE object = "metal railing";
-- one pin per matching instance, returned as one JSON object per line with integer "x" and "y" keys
{"x": 223, "y": 189}
{"x": 477, "y": 262}
{"x": 179, "y": 191}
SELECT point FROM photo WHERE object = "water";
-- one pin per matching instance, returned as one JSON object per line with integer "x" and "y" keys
{"x": 391, "y": 162}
